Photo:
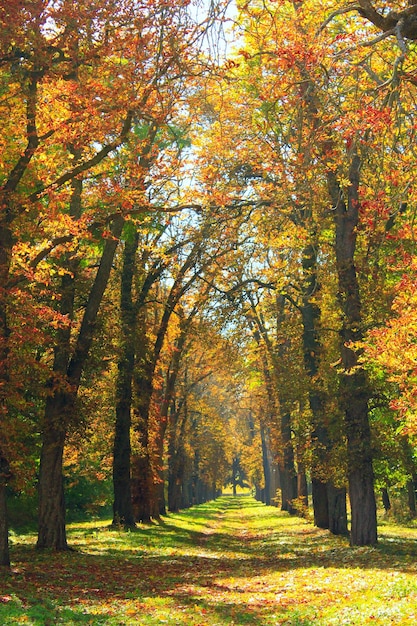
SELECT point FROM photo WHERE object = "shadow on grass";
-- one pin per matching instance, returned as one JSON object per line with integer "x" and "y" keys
{"x": 180, "y": 566}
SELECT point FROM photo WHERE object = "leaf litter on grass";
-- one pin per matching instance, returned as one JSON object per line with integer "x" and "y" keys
{"x": 232, "y": 561}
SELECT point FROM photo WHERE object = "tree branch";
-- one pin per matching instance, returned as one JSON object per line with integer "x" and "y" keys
{"x": 86, "y": 165}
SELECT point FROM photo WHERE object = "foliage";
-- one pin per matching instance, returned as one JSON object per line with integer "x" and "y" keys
{"x": 233, "y": 172}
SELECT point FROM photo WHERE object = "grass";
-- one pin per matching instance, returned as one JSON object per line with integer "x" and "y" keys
{"x": 233, "y": 561}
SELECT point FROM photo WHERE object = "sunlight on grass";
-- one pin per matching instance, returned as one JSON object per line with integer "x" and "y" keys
{"x": 233, "y": 561}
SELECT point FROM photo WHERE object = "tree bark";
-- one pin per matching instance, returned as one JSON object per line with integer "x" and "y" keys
{"x": 143, "y": 491}
{"x": 386, "y": 503}
{"x": 327, "y": 499}
{"x": 287, "y": 471}
{"x": 59, "y": 410}
{"x": 320, "y": 503}
{"x": 271, "y": 371}
{"x": 58, "y": 406}
{"x": 266, "y": 466}
{"x": 176, "y": 459}
{"x": 310, "y": 315}
{"x": 5, "y": 476}
{"x": 142, "y": 476}
{"x": 122, "y": 504}
{"x": 6, "y": 244}
{"x": 302, "y": 490}
{"x": 336, "y": 497}
{"x": 51, "y": 519}
{"x": 159, "y": 503}
{"x": 411, "y": 493}
{"x": 142, "y": 482}
{"x": 354, "y": 393}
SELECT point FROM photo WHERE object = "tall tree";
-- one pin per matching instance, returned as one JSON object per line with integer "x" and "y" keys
{"x": 99, "y": 69}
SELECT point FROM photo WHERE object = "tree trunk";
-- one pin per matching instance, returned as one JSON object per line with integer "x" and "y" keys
{"x": 302, "y": 490}
{"x": 354, "y": 393}
{"x": 288, "y": 474}
{"x": 320, "y": 503}
{"x": 174, "y": 486}
{"x": 386, "y": 503}
{"x": 310, "y": 314}
{"x": 159, "y": 480}
{"x": 4, "y": 529}
{"x": 142, "y": 478}
{"x": 235, "y": 465}
{"x": 6, "y": 244}
{"x": 5, "y": 476}
{"x": 176, "y": 467}
{"x": 336, "y": 497}
{"x": 51, "y": 513}
{"x": 411, "y": 493}
{"x": 329, "y": 502}
{"x": 161, "y": 428}
{"x": 51, "y": 517}
{"x": 122, "y": 504}
{"x": 142, "y": 492}
{"x": 266, "y": 466}
{"x": 59, "y": 409}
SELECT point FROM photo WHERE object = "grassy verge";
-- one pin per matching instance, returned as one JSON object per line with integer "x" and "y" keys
{"x": 233, "y": 561}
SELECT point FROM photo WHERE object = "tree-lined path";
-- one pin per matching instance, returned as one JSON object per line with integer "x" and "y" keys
{"x": 207, "y": 260}
{"x": 231, "y": 561}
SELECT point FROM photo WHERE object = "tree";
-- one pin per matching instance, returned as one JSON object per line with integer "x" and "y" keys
{"x": 100, "y": 70}
{"x": 317, "y": 142}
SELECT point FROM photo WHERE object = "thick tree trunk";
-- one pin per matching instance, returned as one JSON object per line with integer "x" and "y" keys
{"x": 186, "y": 492}
{"x": 51, "y": 516}
{"x": 320, "y": 503}
{"x": 336, "y": 497}
{"x": 159, "y": 480}
{"x": 196, "y": 478}
{"x": 176, "y": 467}
{"x": 6, "y": 243}
{"x": 329, "y": 502}
{"x": 353, "y": 384}
{"x": 354, "y": 391}
{"x": 288, "y": 476}
{"x": 51, "y": 512}
{"x": 176, "y": 460}
{"x": 142, "y": 476}
{"x": 174, "y": 489}
{"x": 59, "y": 408}
{"x": 310, "y": 314}
{"x": 122, "y": 504}
{"x": 142, "y": 486}
{"x": 160, "y": 507}
{"x": 360, "y": 471}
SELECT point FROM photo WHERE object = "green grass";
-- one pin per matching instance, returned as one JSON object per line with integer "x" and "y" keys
{"x": 233, "y": 561}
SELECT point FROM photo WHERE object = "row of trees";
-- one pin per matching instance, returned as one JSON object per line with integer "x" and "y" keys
{"x": 328, "y": 141}
{"x": 94, "y": 119}
{"x": 208, "y": 264}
